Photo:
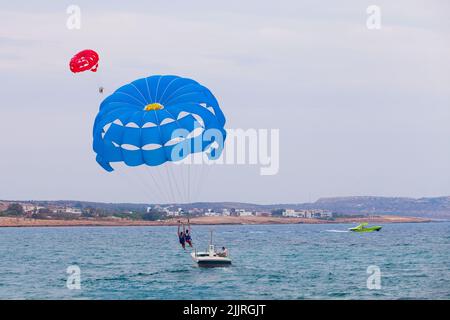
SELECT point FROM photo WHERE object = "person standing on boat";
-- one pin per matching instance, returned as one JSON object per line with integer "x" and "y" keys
{"x": 188, "y": 234}
{"x": 181, "y": 235}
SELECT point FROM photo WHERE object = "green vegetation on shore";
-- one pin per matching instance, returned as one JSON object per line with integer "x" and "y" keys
{"x": 13, "y": 210}
{"x": 17, "y": 210}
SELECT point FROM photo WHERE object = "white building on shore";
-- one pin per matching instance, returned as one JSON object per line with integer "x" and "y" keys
{"x": 244, "y": 213}
{"x": 309, "y": 214}
{"x": 212, "y": 213}
{"x": 27, "y": 208}
{"x": 73, "y": 210}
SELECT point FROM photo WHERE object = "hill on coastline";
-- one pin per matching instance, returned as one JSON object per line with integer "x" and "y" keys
{"x": 437, "y": 208}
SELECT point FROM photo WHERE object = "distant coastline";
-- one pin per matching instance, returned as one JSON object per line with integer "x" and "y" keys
{"x": 429, "y": 208}
{"x": 220, "y": 220}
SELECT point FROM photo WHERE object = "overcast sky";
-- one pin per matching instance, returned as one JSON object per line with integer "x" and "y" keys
{"x": 360, "y": 112}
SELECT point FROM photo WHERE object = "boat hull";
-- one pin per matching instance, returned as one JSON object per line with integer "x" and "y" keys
{"x": 369, "y": 229}
{"x": 210, "y": 261}
{"x": 213, "y": 264}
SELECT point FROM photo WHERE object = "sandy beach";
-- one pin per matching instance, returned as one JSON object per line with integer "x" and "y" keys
{"x": 23, "y": 222}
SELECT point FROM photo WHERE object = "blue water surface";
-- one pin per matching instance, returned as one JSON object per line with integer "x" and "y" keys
{"x": 269, "y": 262}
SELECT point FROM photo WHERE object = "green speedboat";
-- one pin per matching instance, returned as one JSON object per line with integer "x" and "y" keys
{"x": 364, "y": 228}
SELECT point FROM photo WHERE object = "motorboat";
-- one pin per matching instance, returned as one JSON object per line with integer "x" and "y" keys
{"x": 363, "y": 227}
{"x": 211, "y": 258}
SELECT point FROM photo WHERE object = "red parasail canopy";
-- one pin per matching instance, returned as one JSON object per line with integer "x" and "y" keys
{"x": 83, "y": 61}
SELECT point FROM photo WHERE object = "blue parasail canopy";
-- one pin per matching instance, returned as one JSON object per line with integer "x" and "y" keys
{"x": 157, "y": 119}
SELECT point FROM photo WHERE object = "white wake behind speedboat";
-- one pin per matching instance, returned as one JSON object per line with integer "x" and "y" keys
{"x": 210, "y": 258}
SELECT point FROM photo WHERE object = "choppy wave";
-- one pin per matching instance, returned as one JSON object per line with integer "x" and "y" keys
{"x": 287, "y": 262}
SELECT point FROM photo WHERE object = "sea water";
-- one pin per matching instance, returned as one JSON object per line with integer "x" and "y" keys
{"x": 269, "y": 262}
